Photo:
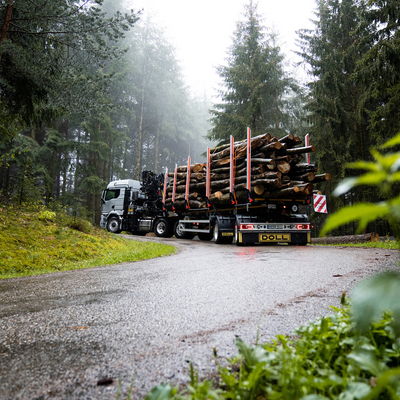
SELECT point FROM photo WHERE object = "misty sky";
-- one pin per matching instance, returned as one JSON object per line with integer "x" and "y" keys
{"x": 201, "y": 31}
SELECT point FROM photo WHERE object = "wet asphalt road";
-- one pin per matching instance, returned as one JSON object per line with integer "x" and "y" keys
{"x": 142, "y": 323}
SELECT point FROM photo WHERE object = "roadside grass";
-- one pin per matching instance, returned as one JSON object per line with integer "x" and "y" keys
{"x": 34, "y": 240}
{"x": 327, "y": 359}
{"x": 386, "y": 244}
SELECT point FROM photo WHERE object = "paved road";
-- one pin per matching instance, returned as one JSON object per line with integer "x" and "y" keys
{"x": 142, "y": 323}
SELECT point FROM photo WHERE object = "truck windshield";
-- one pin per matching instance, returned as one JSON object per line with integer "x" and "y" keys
{"x": 111, "y": 194}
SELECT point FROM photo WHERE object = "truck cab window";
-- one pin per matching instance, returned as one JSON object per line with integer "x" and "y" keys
{"x": 112, "y": 194}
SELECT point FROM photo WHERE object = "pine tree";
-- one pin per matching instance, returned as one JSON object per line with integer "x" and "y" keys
{"x": 332, "y": 50}
{"x": 254, "y": 82}
{"x": 379, "y": 69}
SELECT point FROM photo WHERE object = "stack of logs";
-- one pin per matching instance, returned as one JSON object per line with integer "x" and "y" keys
{"x": 278, "y": 170}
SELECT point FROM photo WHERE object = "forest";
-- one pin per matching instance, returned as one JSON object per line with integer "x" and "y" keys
{"x": 91, "y": 91}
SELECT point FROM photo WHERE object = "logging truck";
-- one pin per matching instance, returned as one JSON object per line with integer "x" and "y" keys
{"x": 236, "y": 196}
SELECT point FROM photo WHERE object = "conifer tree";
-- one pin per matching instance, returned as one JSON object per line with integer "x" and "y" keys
{"x": 332, "y": 50}
{"x": 379, "y": 69}
{"x": 254, "y": 82}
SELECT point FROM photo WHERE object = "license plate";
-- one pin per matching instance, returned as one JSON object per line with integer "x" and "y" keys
{"x": 274, "y": 237}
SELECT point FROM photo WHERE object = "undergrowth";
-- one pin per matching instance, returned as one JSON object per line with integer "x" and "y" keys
{"x": 35, "y": 240}
{"x": 386, "y": 244}
{"x": 327, "y": 359}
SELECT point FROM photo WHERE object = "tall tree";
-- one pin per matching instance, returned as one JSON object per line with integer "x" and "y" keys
{"x": 332, "y": 50}
{"x": 379, "y": 69}
{"x": 254, "y": 82}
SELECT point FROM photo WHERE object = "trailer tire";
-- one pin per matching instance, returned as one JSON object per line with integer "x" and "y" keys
{"x": 162, "y": 228}
{"x": 217, "y": 234}
{"x": 182, "y": 235}
{"x": 205, "y": 236}
{"x": 113, "y": 225}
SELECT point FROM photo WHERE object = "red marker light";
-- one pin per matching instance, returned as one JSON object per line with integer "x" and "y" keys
{"x": 301, "y": 227}
{"x": 246, "y": 226}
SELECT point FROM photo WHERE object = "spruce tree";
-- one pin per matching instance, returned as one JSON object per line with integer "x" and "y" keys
{"x": 379, "y": 69}
{"x": 254, "y": 83}
{"x": 332, "y": 49}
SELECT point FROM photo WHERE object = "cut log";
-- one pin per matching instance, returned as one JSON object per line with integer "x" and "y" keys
{"x": 217, "y": 149}
{"x": 241, "y": 147}
{"x": 193, "y": 168}
{"x": 367, "y": 237}
{"x": 322, "y": 178}
{"x": 258, "y": 189}
{"x": 283, "y": 166}
{"x": 300, "y": 150}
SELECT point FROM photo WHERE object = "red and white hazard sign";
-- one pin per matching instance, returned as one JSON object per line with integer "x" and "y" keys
{"x": 320, "y": 203}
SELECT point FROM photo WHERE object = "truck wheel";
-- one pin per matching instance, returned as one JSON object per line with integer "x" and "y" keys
{"x": 179, "y": 234}
{"x": 113, "y": 225}
{"x": 205, "y": 236}
{"x": 162, "y": 228}
{"x": 218, "y": 236}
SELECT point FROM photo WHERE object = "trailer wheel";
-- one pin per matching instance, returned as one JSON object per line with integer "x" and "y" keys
{"x": 162, "y": 228}
{"x": 205, "y": 236}
{"x": 179, "y": 234}
{"x": 218, "y": 236}
{"x": 113, "y": 225}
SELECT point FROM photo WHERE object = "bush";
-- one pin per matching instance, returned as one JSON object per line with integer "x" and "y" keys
{"x": 79, "y": 224}
{"x": 47, "y": 215}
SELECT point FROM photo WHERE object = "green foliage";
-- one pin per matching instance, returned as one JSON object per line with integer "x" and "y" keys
{"x": 384, "y": 173}
{"x": 374, "y": 296}
{"x": 47, "y": 215}
{"x": 379, "y": 294}
{"x": 35, "y": 240}
{"x": 328, "y": 359}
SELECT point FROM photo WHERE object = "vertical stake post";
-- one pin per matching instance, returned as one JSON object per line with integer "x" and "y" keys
{"x": 208, "y": 175}
{"x": 232, "y": 170}
{"x": 187, "y": 183}
{"x": 174, "y": 184}
{"x": 164, "y": 196}
{"x": 248, "y": 160}
{"x": 307, "y": 143}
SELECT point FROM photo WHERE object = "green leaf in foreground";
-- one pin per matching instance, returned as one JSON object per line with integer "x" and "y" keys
{"x": 362, "y": 212}
{"x": 392, "y": 142}
{"x": 372, "y": 297}
{"x": 161, "y": 392}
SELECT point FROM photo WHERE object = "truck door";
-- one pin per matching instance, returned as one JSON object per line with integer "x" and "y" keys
{"x": 113, "y": 200}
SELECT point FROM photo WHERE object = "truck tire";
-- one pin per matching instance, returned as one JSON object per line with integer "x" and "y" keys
{"x": 205, "y": 236}
{"x": 162, "y": 228}
{"x": 113, "y": 225}
{"x": 218, "y": 236}
{"x": 182, "y": 235}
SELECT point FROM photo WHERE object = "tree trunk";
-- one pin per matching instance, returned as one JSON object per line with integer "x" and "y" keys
{"x": 7, "y": 20}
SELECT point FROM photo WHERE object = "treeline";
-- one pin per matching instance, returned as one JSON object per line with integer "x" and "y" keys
{"x": 88, "y": 94}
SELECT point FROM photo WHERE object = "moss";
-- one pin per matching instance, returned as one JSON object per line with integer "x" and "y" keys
{"x": 31, "y": 243}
